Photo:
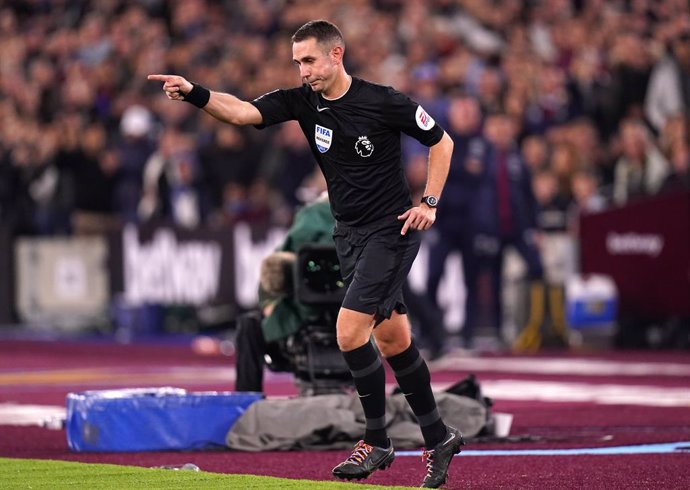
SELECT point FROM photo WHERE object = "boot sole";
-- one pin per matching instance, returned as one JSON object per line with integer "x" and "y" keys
{"x": 385, "y": 464}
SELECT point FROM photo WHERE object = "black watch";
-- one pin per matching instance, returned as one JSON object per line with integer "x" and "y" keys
{"x": 431, "y": 201}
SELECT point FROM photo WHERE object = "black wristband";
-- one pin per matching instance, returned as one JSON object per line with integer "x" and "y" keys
{"x": 198, "y": 96}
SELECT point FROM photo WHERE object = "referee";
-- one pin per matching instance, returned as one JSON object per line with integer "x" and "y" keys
{"x": 354, "y": 128}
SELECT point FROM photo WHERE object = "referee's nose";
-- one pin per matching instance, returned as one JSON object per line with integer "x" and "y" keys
{"x": 304, "y": 71}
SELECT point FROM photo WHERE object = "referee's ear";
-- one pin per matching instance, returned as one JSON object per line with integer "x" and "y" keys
{"x": 337, "y": 53}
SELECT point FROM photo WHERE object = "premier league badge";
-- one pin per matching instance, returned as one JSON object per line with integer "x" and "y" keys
{"x": 364, "y": 147}
{"x": 323, "y": 138}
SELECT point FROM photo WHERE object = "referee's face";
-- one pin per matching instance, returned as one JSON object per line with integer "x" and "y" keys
{"x": 317, "y": 64}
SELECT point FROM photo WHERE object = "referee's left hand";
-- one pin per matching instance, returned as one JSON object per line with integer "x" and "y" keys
{"x": 418, "y": 218}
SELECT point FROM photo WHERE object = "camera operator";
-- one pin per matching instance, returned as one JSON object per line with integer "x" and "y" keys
{"x": 281, "y": 315}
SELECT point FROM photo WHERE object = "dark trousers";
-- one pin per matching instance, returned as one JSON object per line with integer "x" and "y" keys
{"x": 250, "y": 348}
{"x": 250, "y": 353}
{"x": 427, "y": 317}
{"x": 494, "y": 264}
{"x": 438, "y": 254}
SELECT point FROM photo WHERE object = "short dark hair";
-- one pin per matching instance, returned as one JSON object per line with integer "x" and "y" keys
{"x": 321, "y": 30}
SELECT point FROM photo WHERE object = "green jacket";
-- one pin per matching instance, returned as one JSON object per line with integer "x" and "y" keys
{"x": 313, "y": 224}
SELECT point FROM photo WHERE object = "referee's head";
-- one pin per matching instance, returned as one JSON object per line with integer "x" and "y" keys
{"x": 326, "y": 34}
{"x": 318, "y": 48}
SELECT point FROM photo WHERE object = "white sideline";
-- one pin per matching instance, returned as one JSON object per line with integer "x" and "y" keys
{"x": 19, "y": 414}
{"x": 570, "y": 366}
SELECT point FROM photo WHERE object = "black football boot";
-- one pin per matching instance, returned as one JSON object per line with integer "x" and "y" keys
{"x": 364, "y": 460}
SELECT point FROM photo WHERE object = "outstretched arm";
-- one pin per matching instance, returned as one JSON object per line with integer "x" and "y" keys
{"x": 224, "y": 107}
{"x": 422, "y": 217}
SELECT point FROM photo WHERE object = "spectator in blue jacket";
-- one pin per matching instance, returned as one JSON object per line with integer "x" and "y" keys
{"x": 504, "y": 211}
{"x": 453, "y": 231}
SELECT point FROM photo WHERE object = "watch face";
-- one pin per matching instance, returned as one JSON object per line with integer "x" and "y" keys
{"x": 431, "y": 201}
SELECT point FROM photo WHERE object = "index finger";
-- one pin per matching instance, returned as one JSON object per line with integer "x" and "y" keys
{"x": 162, "y": 78}
{"x": 406, "y": 226}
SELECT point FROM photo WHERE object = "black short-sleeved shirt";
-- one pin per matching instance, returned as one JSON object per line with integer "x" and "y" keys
{"x": 356, "y": 142}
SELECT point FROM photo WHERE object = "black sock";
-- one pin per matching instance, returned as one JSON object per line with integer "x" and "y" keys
{"x": 414, "y": 380}
{"x": 370, "y": 380}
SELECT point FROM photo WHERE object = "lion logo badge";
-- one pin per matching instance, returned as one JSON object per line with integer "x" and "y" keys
{"x": 364, "y": 147}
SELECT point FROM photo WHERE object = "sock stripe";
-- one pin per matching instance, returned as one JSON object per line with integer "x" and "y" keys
{"x": 377, "y": 423}
{"x": 409, "y": 369}
{"x": 361, "y": 373}
{"x": 414, "y": 380}
{"x": 429, "y": 419}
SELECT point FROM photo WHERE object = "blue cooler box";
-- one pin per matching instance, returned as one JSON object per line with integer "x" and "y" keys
{"x": 152, "y": 419}
{"x": 591, "y": 301}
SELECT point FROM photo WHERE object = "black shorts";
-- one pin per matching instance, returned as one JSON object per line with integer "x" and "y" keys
{"x": 375, "y": 260}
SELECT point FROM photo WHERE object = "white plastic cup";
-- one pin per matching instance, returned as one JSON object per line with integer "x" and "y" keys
{"x": 502, "y": 423}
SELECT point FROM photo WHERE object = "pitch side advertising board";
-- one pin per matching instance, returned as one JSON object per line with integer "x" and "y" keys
{"x": 645, "y": 248}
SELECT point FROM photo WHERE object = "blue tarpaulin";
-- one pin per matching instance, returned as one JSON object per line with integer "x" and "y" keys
{"x": 152, "y": 419}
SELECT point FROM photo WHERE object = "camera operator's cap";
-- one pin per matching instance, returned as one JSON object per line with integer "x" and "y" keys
{"x": 136, "y": 121}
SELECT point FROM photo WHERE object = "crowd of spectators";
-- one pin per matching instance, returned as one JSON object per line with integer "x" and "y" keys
{"x": 599, "y": 92}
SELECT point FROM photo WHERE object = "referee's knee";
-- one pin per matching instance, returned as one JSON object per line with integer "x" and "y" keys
{"x": 353, "y": 329}
{"x": 390, "y": 347}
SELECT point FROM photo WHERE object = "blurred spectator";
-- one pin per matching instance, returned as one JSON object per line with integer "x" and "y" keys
{"x": 230, "y": 156}
{"x": 678, "y": 178}
{"x": 582, "y": 134}
{"x": 134, "y": 147}
{"x": 641, "y": 168}
{"x": 426, "y": 317}
{"x": 174, "y": 190}
{"x": 631, "y": 65}
{"x": 425, "y": 88}
{"x": 552, "y": 216}
{"x": 263, "y": 204}
{"x": 8, "y": 191}
{"x": 257, "y": 205}
{"x": 45, "y": 195}
{"x": 552, "y": 103}
{"x": 453, "y": 231}
{"x": 535, "y": 151}
{"x": 94, "y": 170}
{"x": 564, "y": 161}
{"x": 674, "y": 132}
{"x": 505, "y": 211}
{"x": 235, "y": 206}
{"x": 557, "y": 252}
{"x": 669, "y": 87}
{"x": 289, "y": 163}
{"x": 490, "y": 90}
{"x": 586, "y": 196}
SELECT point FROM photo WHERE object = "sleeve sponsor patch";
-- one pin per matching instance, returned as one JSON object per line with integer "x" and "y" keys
{"x": 424, "y": 120}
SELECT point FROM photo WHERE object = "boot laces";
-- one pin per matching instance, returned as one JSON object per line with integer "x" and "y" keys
{"x": 428, "y": 457}
{"x": 359, "y": 453}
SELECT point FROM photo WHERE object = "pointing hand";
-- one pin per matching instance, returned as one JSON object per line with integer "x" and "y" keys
{"x": 174, "y": 86}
